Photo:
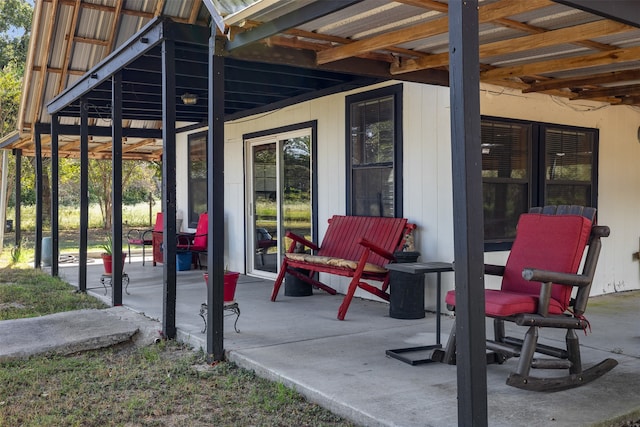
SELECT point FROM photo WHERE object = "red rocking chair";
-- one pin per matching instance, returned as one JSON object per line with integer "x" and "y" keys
{"x": 537, "y": 283}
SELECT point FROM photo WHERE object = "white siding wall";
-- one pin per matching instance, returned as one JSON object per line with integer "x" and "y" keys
{"x": 618, "y": 171}
{"x": 427, "y": 172}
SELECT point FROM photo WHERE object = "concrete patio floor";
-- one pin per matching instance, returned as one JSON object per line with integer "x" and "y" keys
{"x": 342, "y": 365}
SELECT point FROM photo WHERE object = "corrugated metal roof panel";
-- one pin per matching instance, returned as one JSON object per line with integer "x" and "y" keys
{"x": 129, "y": 25}
{"x": 228, "y": 7}
{"x": 555, "y": 16}
{"x": 178, "y": 9}
{"x": 555, "y": 52}
{"x": 626, "y": 39}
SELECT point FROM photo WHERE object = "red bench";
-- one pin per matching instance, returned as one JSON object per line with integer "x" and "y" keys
{"x": 353, "y": 246}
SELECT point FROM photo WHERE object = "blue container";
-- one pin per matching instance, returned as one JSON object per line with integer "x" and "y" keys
{"x": 47, "y": 251}
{"x": 183, "y": 261}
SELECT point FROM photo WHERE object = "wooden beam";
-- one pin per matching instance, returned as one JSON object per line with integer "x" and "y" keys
{"x": 487, "y": 13}
{"x": 138, "y": 13}
{"x": 565, "y": 64}
{"x": 343, "y": 40}
{"x": 259, "y": 52}
{"x": 549, "y": 38}
{"x": 296, "y": 43}
{"x": 44, "y": 60}
{"x": 88, "y": 40}
{"x": 115, "y": 23}
{"x": 100, "y": 7}
{"x": 69, "y": 47}
{"x": 626, "y": 90}
{"x": 131, "y": 147}
{"x": 592, "y": 79}
{"x": 59, "y": 71}
{"x": 631, "y": 100}
{"x": 195, "y": 10}
{"x": 505, "y": 22}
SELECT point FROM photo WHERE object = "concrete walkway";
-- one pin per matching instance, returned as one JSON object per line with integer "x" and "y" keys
{"x": 342, "y": 365}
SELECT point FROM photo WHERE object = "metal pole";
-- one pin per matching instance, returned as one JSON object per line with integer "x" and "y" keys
{"x": 169, "y": 188}
{"x": 38, "y": 243}
{"x": 3, "y": 196}
{"x": 55, "y": 237}
{"x": 84, "y": 193}
{"x": 464, "y": 72}
{"x": 18, "y": 197}
{"x": 116, "y": 189}
{"x": 215, "y": 201}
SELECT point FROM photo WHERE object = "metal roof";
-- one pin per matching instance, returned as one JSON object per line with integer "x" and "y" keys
{"x": 283, "y": 51}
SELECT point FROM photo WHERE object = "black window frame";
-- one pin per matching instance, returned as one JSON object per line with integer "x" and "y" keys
{"x": 396, "y": 91}
{"x": 192, "y": 215}
{"x": 537, "y": 167}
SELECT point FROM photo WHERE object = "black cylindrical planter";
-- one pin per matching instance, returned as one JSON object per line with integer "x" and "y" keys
{"x": 406, "y": 290}
{"x": 294, "y": 287}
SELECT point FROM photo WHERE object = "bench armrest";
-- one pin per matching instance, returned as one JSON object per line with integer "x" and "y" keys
{"x": 377, "y": 249}
{"x": 546, "y": 276}
{"x": 299, "y": 239}
{"x": 494, "y": 270}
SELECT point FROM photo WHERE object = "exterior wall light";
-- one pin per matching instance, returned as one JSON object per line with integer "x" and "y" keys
{"x": 189, "y": 98}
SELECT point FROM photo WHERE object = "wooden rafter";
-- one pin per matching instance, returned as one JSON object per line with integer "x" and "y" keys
{"x": 296, "y": 43}
{"x": 115, "y": 23}
{"x": 341, "y": 40}
{"x": 131, "y": 147}
{"x": 71, "y": 38}
{"x": 487, "y": 13}
{"x": 536, "y": 41}
{"x": 624, "y": 90}
{"x": 564, "y": 64}
{"x": 195, "y": 10}
{"x": 44, "y": 60}
{"x": 589, "y": 80}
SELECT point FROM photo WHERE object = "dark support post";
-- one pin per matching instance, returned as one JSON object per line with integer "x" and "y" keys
{"x": 84, "y": 193}
{"x": 38, "y": 243}
{"x": 215, "y": 201}
{"x": 116, "y": 189}
{"x": 55, "y": 167}
{"x": 467, "y": 208}
{"x": 169, "y": 188}
{"x": 18, "y": 197}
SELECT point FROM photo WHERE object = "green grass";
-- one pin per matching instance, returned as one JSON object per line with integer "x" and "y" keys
{"x": 165, "y": 384}
{"x": 31, "y": 293}
{"x": 152, "y": 386}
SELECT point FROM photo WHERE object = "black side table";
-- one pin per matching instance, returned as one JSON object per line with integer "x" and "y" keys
{"x": 419, "y": 269}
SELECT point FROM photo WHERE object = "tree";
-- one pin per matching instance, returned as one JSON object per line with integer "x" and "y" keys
{"x": 15, "y": 25}
{"x": 100, "y": 182}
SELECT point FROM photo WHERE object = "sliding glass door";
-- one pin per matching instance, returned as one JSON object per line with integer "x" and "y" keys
{"x": 279, "y": 196}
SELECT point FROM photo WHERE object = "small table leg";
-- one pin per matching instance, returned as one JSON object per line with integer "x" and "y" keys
{"x": 228, "y": 306}
{"x": 399, "y": 352}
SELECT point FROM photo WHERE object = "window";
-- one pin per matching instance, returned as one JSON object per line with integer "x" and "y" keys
{"x": 197, "y": 186}
{"x": 374, "y": 135}
{"x": 527, "y": 164}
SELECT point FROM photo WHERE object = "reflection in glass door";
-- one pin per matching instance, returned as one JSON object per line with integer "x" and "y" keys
{"x": 280, "y": 197}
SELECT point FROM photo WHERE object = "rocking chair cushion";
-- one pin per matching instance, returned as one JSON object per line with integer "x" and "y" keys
{"x": 546, "y": 242}
{"x": 504, "y": 303}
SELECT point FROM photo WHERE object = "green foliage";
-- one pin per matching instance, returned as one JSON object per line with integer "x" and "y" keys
{"x": 10, "y": 82}
{"x": 107, "y": 247}
{"x": 135, "y": 173}
{"x": 15, "y": 26}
